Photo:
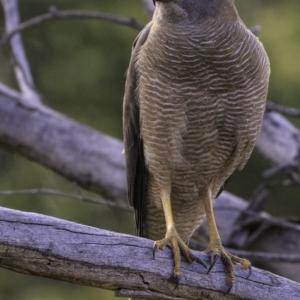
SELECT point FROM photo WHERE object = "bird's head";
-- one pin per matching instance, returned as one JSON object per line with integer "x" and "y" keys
{"x": 192, "y": 11}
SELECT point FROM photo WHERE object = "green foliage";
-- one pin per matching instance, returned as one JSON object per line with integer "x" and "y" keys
{"x": 79, "y": 67}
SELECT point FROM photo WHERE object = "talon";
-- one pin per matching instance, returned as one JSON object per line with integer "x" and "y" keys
{"x": 216, "y": 251}
{"x": 250, "y": 271}
{"x": 175, "y": 280}
{"x": 214, "y": 259}
{"x": 154, "y": 250}
{"x": 198, "y": 260}
{"x": 230, "y": 285}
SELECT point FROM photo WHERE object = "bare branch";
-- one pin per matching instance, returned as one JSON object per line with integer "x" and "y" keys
{"x": 288, "y": 111}
{"x": 92, "y": 160}
{"x": 55, "y": 14}
{"x": 80, "y": 196}
{"x": 149, "y": 7}
{"x": 21, "y": 66}
{"x": 279, "y": 139}
{"x": 49, "y": 247}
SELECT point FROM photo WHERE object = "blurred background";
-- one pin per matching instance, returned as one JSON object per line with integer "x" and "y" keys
{"x": 79, "y": 68}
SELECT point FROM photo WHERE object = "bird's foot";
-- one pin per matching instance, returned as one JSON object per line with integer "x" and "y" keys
{"x": 216, "y": 250}
{"x": 173, "y": 240}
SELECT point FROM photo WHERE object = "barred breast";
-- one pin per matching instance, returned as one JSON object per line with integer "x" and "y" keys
{"x": 202, "y": 96}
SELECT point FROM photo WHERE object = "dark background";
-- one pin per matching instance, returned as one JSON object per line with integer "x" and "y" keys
{"x": 79, "y": 68}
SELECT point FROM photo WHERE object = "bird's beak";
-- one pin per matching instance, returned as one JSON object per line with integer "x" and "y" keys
{"x": 154, "y": 2}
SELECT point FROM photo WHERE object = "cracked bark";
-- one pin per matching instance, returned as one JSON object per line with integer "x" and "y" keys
{"x": 45, "y": 246}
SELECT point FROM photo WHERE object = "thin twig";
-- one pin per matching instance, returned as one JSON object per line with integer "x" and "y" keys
{"x": 68, "y": 195}
{"x": 288, "y": 111}
{"x": 21, "y": 65}
{"x": 55, "y": 14}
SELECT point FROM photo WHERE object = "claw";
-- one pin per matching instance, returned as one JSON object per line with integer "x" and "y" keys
{"x": 250, "y": 272}
{"x": 215, "y": 258}
{"x": 230, "y": 285}
{"x": 198, "y": 260}
{"x": 175, "y": 280}
{"x": 154, "y": 250}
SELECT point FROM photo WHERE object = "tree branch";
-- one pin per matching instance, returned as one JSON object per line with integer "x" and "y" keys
{"x": 288, "y": 111}
{"x": 21, "y": 66}
{"x": 55, "y": 14}
{"x": 45, "y": 246}
{"x": 93, "y": 160}
{"x": 149, "y": 7}
{"x": 278, "y": 140}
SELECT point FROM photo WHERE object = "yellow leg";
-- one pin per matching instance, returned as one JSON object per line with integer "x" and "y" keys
{"x": 215, "y": 248}
{"x": 172, "y": 239}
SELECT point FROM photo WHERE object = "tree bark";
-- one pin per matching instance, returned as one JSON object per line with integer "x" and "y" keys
{"x": 45, "y": 246}
{"x": 77, "y": 152}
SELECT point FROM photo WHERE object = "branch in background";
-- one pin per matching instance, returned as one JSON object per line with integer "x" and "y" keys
{"x": 92, "y": 160}
{"x": 79, "y": 196}
{"x": 55, "y": 14}
{"x": 21, "y": 66}
{"x": 53, "y": 248}
{"x": 288, "y": 111}
{"x": 149, "y": 7}
{"x": 279, "y": 140}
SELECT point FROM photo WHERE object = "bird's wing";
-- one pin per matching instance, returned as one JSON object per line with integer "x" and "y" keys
{"x": 134, "y": 155}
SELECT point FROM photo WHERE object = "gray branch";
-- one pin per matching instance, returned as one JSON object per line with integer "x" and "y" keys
{"x": 45, "y": 246}
{"x": 79, "y": 153}
{"x": 149, "y": 7}
{"x": 21, "y": 66}
{"x": 288, "y": 111}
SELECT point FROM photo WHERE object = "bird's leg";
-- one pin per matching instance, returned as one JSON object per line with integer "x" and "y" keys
{"x": 215, "y": 248}
{"x": 172, "y": 239}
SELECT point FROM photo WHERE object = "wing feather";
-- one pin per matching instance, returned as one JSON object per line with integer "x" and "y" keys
{"x": 136, "y": 170}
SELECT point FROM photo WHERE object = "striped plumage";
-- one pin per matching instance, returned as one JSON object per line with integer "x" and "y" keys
{"x": 193, "y": 106}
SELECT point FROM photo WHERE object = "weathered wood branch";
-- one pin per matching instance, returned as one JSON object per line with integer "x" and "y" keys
{"x": 279, "y": 140}
{"x": 53, "y": 248}
{"x": 21, "y": 65}
{"x": 149, "y": 7}
{"x": 93, "y": 160}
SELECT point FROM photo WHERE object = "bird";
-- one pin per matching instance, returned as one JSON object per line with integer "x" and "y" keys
{"x": 194, "y": 100}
